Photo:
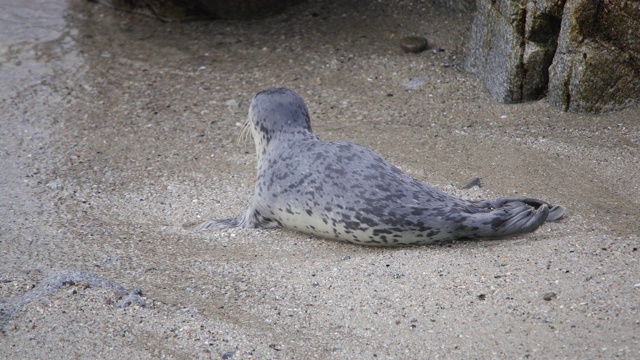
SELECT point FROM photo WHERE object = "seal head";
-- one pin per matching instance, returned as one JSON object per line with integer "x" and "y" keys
{"x": 277, "y": 113}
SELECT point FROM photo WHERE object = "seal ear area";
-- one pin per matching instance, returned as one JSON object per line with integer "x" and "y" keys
{"x": 277, "y": 91}
{"x": 270, "y": 98}
{"x": 279, "y": 109}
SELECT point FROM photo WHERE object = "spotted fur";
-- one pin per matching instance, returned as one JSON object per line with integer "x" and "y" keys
{"x": 344, "y": 191}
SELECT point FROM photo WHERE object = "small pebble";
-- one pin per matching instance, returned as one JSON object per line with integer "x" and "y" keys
{"x": 474, "y": 182}
{"x": 414, "y": 83}
{"x": 130, "y": 300}
{"x": 188, "y": 310}
{"x": 233, "y": 105}
{"x": 414, "y": 44}
{"x": 55, "y": 185}
{"x": 549, "y": 296}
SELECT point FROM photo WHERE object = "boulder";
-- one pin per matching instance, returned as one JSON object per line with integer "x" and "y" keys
{"x": 597, "y": 65}
{"x": 583, "y": 54}
{"x": 512, "y": 45}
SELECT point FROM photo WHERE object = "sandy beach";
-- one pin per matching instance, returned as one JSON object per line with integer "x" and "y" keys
{"x": 120, "y": 133}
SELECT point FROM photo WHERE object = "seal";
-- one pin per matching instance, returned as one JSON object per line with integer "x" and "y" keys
{"x": 340, "y": 190}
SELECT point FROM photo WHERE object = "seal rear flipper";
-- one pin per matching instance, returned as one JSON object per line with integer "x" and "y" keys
{"x": 513, "y": 218}
{"x": 520, "y": 219}
{"x": 555, "y": 211}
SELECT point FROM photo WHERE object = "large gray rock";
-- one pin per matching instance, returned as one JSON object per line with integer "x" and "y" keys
{"x": 584, "y": 54}
{"x": 597, "y": 65}
{"x": 512, "y": 45}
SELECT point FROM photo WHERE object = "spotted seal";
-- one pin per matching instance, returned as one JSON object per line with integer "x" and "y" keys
{"x": 344, "y": 191}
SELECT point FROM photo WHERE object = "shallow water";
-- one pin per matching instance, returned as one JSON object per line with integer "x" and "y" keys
{"x": 36, "y": 43}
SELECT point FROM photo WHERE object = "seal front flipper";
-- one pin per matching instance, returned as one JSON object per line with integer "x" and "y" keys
{"x": 219, "y": 224}
{"x": 243, "y": 220}
{"x": 250, "y": 219}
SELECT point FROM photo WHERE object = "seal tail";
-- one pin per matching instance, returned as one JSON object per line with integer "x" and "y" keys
{"x": 510, "y": 216}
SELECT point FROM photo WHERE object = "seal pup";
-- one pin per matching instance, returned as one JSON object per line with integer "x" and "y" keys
{"x": 344, "y": 191}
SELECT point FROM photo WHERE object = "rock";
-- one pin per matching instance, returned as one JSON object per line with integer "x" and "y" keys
{"x": 233, "y": 105}
{"x": 597, "y": 65}
{"x": 512, "y": 45}
{"x": 474, "y": 182}
{"x": 245, "y": 9}
{"x": 489, "y": 49}
{"x": 165, "y": 10}
{"x": 414, "y": 83}
{"x": 55, "y": 185}
{"x": 458, "y": 5}
{"x": 414, "y": 44}
{"x": 585, "y": 54}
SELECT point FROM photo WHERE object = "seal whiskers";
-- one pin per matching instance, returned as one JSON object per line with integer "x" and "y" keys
{"x": 244, "y": 133}
{"x": 343, "y": 191}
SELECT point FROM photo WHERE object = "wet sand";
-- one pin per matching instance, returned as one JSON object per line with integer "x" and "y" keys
{"x": 120, "y": 132}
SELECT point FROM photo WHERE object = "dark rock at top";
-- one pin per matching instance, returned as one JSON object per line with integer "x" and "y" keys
{"x": 245, "y": 9}
{"x": 180, "y": 10}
